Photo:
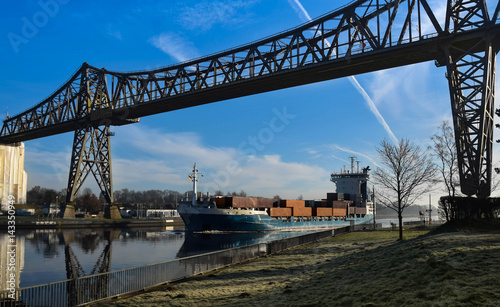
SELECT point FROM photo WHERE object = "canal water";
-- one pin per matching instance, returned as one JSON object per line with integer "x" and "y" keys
{"x": 50, "y": 255}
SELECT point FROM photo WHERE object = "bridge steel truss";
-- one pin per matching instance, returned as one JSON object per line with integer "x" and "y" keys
{"x": 471, "y": 79}
{"x": 74, "y": 270}
{"x": 364, "y": 36}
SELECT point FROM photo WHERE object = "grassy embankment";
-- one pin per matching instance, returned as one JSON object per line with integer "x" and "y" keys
{"x": 446, "y": 267}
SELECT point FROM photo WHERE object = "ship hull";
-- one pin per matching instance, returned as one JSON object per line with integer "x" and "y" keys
{"x": 213, "y": 219}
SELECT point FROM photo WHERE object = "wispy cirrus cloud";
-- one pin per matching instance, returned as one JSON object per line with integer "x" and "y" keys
{"x": 205, "y": 14}
{"x": 174, "y": 45}
{"x": 114, "y": 33}
{"x": 350, "y": 151}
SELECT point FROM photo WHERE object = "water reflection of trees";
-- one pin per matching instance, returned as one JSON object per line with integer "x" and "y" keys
{"x": 45, "y": 242}
{"x": 90, "y": 242}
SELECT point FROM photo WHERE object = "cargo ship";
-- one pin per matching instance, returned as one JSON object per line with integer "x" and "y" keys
{"x": 350, "y": 205}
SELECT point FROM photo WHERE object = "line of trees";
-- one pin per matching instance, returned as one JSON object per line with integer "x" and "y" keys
{"x": 86, "y": 201}
{"x": 90, "y": 202}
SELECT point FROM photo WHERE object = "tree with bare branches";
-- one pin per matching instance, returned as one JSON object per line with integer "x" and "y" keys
{"x": 445, "y": 150}
{"x": 407, "y": 174}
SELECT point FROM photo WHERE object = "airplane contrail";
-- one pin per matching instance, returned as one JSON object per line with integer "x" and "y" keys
{"x": 356, "y": 153}
{"x": 355, "y": 83}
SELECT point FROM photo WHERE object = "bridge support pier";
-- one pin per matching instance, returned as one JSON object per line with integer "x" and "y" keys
{"x": 68, "y": 212}
{"x": 471, "y": 79}
{"x": 91, "y": 154}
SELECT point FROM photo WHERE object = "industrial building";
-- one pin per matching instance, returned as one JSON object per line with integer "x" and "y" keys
{"x": 13, "y": 178}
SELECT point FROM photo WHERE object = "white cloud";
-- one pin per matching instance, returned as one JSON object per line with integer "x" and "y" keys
{"x": 115, "y": 34}
{"x": 205, "y": 14}
{"x": 175, "y": 46}
{"x": 47, "y": 167}
{"x": 168, "y": 157}
{"x": 126, "y": 173}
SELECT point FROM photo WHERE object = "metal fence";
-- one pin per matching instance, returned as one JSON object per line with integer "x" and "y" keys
{"x": 87, "y": 289}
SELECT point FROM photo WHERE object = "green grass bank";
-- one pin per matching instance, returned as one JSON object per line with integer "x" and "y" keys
{"x": 452, "y": 265}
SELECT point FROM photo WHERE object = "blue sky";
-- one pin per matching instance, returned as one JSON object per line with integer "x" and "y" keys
{"x": 285, "y": 142}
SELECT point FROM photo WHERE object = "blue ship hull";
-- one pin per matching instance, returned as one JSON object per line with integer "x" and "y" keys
{"x": 197, "y": 221}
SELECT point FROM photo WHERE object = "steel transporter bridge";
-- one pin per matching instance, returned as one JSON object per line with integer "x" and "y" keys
{"x": 363, "y": 36}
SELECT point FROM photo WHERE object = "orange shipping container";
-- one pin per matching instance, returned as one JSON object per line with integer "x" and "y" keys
{"x": 292, "y": 203}
{"x": 242, "y": 202}
{"x": 275, "y": 212}
{"x": 322, "y": 211}
{"x": 265, "y": 202}
{"x": 339, "y": 212}
{"x": 249, "y": 202}
{"x": 298, "y": 211}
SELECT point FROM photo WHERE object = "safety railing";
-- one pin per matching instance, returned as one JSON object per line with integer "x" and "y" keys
{"x": 92, "y": 288}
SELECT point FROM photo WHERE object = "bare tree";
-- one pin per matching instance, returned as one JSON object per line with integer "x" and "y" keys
{"x": 445, "y": 150}
{"x": 405, "y": 177}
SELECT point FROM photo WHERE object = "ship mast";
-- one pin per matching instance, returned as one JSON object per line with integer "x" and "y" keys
{"x": 194, "y": 178}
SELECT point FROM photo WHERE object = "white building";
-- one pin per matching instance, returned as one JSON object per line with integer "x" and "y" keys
{"x": 7, "y": 265}
{"x": 13, "y": 178}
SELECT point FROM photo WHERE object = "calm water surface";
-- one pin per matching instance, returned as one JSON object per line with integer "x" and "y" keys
{"x": 46, "y": 255}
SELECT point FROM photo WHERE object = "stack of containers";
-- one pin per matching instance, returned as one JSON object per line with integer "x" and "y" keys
{"x": 298, "y": 207}
{"x": 244, "y": 202}
{"x": 249, "y": 202}
{"x": 340, "y": 207}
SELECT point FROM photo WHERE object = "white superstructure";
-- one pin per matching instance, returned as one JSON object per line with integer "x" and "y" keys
{"x": 354, "y": 184}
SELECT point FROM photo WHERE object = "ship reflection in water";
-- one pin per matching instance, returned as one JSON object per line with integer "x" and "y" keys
{"x": 52, "y": 255}
{"x": 205, "y": 242}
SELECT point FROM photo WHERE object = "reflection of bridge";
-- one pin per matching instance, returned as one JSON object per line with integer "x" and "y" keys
{"x": 364, "y": 36}
{"x": 78, "y": 288}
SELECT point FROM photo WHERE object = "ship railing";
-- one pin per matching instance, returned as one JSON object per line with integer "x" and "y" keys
{"x": 94, "y": 288}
